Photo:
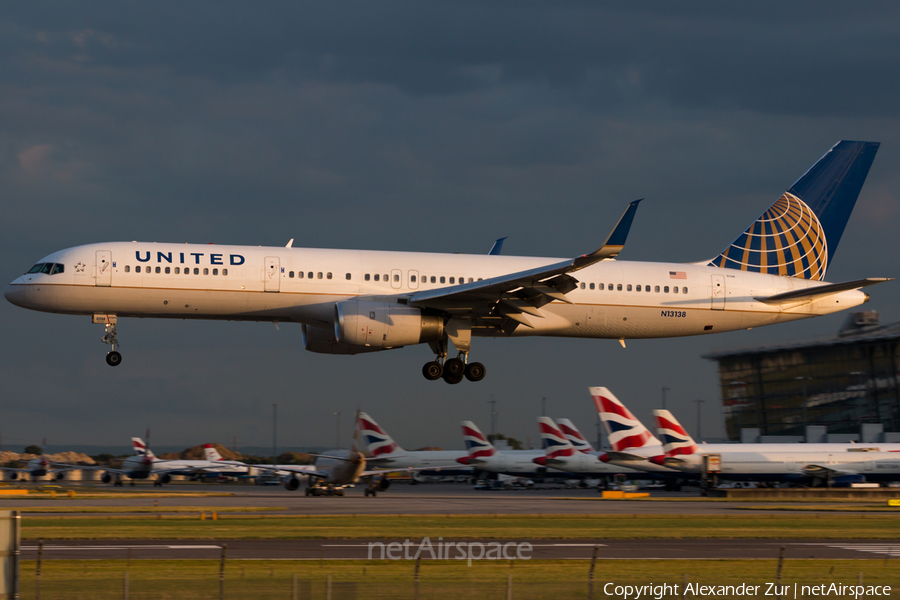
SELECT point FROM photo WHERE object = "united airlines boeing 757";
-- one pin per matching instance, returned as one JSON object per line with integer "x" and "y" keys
{"x": 352, "y": 301}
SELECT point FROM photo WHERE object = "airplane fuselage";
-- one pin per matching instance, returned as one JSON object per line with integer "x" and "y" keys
{"x": 614, "y": 299}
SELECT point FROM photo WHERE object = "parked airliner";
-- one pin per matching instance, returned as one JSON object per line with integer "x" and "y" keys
{"x": 353, "y": 301}
{"x": 560, "y": 454}
{"x": 382, "y": 451}
{"x": 841, "y": 463}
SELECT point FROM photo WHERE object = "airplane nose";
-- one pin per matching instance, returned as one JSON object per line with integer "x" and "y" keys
{"x": 15, "y": 294}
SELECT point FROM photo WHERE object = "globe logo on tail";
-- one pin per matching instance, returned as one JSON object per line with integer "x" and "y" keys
{"x": 787, "y": 240}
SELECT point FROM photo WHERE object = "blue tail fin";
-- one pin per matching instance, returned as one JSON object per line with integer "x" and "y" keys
{"x": 798, "y": 235}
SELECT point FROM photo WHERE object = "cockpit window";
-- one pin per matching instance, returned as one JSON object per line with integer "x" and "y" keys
{"x": 57, "y": 268}
{"x": 36, "y": 268}
{"x": 46, "y": 268}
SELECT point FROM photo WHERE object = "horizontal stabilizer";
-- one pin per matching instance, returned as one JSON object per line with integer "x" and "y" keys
{"x": 821, "y": 291}
{"x": 620, "y": 457}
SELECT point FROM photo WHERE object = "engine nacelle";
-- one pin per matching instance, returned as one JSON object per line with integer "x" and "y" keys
{"x": 384, "y": 483}
{"x": 384, "y": 325}
{"x": 292, "y": 484}
{"x": 13, "y": 475}
{"x": 165, "y": 479}
{"x": 321, "y": 341}
{"x": 106, "y": 477}
{"x": 60, "y": 475}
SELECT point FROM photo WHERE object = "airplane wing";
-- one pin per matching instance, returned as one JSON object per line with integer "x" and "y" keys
{"x": 369, "y": 473}
{"x": 504, "y": 299}
{"x": 821, "y": 291}
{"x": 294, "y": 469}
{"x": 817, "y": 470}
{"x": 15, "y": 469}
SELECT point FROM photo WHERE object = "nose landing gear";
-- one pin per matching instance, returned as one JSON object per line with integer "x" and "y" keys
{"x": 113, "y": 358}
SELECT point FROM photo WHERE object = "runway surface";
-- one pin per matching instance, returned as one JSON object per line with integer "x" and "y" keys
{"x": 404, "y": 499}
{"x": 540, "y": 549}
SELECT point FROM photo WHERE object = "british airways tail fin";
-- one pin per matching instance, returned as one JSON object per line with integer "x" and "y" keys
{"x": 477, "y": 445}
{"x": 798, "y": 235}
{"x": 624, "y": 430}
{"x": 676, "y": 441}
{"x": 141, "y": 449}
{"x": 211, "y": 454}
{"x": 574, "y": 436}
{"x": 553, "y": 441}
{"x": 375, "y": 441}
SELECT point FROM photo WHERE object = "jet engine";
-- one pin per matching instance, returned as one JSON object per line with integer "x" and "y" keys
{"x": 321, "y": 341}
{"x": 383, "y": 483}
{"x": 165, "y": 479}
{"x": 106, "y": 478}
{"x": 13, "y": 475}
{"x": 292, "y": 484}
{"x": 60, "y": 476}
{"x": 384, "y": 325}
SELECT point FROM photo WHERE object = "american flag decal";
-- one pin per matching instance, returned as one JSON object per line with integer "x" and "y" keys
{"x": 677, "y": 275}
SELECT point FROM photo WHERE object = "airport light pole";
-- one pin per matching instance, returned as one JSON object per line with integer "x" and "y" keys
{"x": 664, "y": 390}
{"x": 493, "y": 404}
{"x": 699, "y": 431}
{"x": 337, "y": 430}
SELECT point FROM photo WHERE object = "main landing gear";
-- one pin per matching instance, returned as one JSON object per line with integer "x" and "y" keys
{"x": 113, "y": 358}
{"x": 453, "y": 370}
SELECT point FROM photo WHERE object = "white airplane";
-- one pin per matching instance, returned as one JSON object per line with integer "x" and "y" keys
{"x": 354, "y": 301}
{"x": 634, "y": 446}
{"x": 382, "y": 451}
{"x": 485, "y": 458}
{"x": 37, "y": 468}
{"x": 837, "y": 465}
{"x": 578, "y": 441}
{"x": 233, "y": 468}
{"x": 560, "y": 454}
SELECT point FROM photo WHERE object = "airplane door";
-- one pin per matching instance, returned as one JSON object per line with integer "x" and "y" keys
{"x": 413, "y": 280}
{"x": 273, "y": 273}
{"x": 717, "y": 296}
{"x": 103, "y": 274}
{"x": 396, "y": 277}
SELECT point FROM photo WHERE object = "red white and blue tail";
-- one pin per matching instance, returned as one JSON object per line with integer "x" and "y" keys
{"x": 141, "y": 449}
{"x": 625, "y": 432}
{"x": 676, "y": 441}
{"x": 477, "y": 445}
{"x": 375, "y": 440}
{"x": 211, "y": 454}
{"x": 578, "y": 441}
{"x": 553, "y": 441}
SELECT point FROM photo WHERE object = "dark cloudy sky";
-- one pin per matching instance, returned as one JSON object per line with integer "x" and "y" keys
{"x": 425, "y": 126}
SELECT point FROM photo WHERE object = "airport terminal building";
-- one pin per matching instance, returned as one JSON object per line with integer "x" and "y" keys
{"x": 843, "y": 388}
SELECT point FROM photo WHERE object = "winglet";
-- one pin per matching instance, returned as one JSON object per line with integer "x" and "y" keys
{"x": 614, "y": 243}
{"x": 497, "y": 247}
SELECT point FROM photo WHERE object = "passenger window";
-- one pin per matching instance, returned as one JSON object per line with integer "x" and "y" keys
{"x": 377, "y": 277}
{"x": 205, "y": 271}
{"x": 386, "y": 277}
{"x": 127, "y": 268}
{"x": 666, "y": 289}
{"x": 137, "y": 269}
{"x": 637, "y": 290}
{"x": 412, "y": 278}
{"x": 628, "y": 288}
{"x": 583, "y": 285}
{"x": 158, "y": 270}
{"x": 453, "y": 280}
{"x": 309, "y": 275}
{"x": 167, "y": 270}
{"x": 215, "y": 271}
{"x": 290, "y": 274}
{"x": 657, "y": 289}
{"x": 224, "y": 272}
{"x": 348, "y": 276}
{"x": 611, "y": 287}
{"x": 600, "y": 286}
{"x": 328, "y": 275}
{"x": 619, "y": 287}
{"x": 675, "y": 290}
{"x": 433, "y": 279}
{"x": 470, "y": 280}
{"x": 178, "y": 270}
{"x": 196, "y": 270}
{"x": 684, "y": 290}
{"x": 397, "y": 278}
{"x": 646, "y": 288}
{"x": 319, "y": 275}
{"x": 592, "y": 286}
{"x": 367, "y": 277}
{"x": 442, "y": 279}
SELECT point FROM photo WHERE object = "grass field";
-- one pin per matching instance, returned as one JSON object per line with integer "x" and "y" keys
{"x": 794, "y": 526}
{"x": 438, "y": 580}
